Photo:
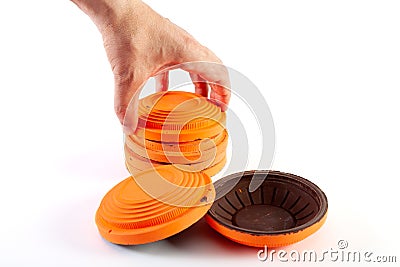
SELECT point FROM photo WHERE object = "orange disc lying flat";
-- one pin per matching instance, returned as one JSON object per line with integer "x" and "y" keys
{"x": 177, "y": 157}
{"x": 200, "y": 151}
{"x": 177, "y": 110}
{"x": 154, "y": 205}
{"x": 176, "y": 116}
{"x": 142, "y": 163}
{"x": 184, "y": 147}
{"x": 283, "y": 210}
{"x": 215, "y": 168}
{"x": 180, "y": 136}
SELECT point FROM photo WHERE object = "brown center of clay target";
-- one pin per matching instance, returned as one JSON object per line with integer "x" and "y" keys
{"x": 264, "y": 218}
{"x": 285, "y": 208}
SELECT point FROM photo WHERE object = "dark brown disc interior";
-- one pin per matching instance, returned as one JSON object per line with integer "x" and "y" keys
{"x": 283, "y": 203}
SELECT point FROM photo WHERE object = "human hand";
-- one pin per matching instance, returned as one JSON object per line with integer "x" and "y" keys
{"x": 139, "y": 43}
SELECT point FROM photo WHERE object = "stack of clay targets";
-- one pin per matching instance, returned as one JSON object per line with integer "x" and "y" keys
{"x": 179, "y": 128}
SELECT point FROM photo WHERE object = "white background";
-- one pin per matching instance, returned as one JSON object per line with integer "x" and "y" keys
{"x": 329, "y": 71}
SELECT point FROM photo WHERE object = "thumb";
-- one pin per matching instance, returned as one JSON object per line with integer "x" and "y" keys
{"x": 126, "y": 101}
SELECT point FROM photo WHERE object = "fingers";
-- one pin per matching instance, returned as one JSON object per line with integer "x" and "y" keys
{"x": 220, "y": 95}
{"x": 126, "y": 101}
{"x": 162, "y": 81}
{"x": 215, "y": 74}
{"x": 217, "y": 77}
{"x": 130, "y": 120}
{"x": 200, "y": 84}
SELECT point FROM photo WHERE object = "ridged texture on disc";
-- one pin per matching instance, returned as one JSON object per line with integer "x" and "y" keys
{"x": 201, "y": 155}
{"x": 176, "y": 110}
{"x": 137, "y": 208}
{"x": 211, "y": 170}
{"x": 187, "y": 148}
{"x": 179, "y": 128}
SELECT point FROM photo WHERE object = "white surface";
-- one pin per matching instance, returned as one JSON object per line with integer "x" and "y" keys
{"x": 329, "y": 71}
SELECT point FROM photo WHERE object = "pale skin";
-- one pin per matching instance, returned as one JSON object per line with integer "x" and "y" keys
{"x": 139, "y": 43}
